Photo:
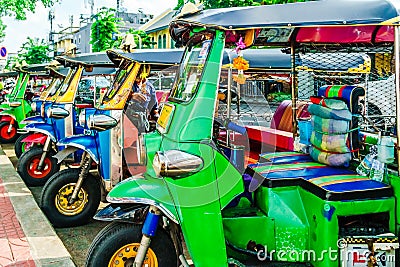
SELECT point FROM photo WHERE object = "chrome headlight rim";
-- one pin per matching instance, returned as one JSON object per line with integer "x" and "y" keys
{"x": 101, "y": 122}
{"x": 141, "y": 150}
{"x": 82, "y": 118}
{"x": 34, "y": 105}
{"x": 176, "y": 163}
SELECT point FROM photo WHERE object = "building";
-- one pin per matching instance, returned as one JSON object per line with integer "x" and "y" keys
{"x": 157, "y": 29}
{"x": 80, "y": 36}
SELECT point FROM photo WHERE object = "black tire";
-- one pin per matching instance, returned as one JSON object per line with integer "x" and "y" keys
{"x": 19, "y": 146}
{"x": 27, "y": 162}
{"x": 55, "y": 204}
{"x": 4, "y": 137}
{"x": 117, "y": 235}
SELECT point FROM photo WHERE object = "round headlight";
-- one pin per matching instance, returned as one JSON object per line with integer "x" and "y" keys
{"x": 34, "y": 105}
{"x": 82, "y": 118}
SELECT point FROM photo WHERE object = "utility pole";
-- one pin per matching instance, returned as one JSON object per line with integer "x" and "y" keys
{"x": 51, "y": 35}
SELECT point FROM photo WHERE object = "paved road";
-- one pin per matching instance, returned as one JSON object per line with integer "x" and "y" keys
{"x": 76, "y": 239}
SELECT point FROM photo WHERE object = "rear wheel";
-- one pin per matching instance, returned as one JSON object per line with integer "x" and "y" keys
{"x": 27, "y": 166}
{"x": 57, "y": 192}
{"x": 20, "y": 147}
{"x": 117, "y": 244}
{"x": 7, "y": 134}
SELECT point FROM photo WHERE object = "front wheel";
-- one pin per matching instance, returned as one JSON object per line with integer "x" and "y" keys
{"x": 117, "y": 244}
{"x": 20, "y": 147}
{"x": 7, "y": 134}
{"x": 57, "y": 192}
{"x": 27, "y": 166}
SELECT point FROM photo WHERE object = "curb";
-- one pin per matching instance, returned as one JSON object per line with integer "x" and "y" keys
{"x": 45, "y": 246}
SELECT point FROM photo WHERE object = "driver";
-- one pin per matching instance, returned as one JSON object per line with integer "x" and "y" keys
{"x": 145, "y": 93}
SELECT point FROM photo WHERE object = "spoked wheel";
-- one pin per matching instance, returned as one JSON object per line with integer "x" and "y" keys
{"x": 7, "y": 134}
{"x": 27, "y": 166}
{"x": 116, "y": 245}
{"x": 20, "y": 147}
{"x": 57, "y": 193}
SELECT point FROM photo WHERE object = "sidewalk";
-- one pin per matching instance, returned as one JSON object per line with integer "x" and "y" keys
{"x": 26, "y": 237}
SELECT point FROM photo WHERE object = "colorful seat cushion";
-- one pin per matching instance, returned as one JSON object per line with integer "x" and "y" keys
{"x": 328, "y": 183}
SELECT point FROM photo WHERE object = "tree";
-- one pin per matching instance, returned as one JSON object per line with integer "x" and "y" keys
{"x": 104, "y": 28}
{"x": 34, "y": 51}
{"x": 18, "y": 9}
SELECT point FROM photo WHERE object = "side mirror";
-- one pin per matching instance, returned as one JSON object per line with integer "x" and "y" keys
{"x": 57, "y": 113}
{"x": 101, "y": 122}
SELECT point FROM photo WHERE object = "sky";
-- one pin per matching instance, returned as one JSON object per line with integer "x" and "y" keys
{"x": 38, "y": 25}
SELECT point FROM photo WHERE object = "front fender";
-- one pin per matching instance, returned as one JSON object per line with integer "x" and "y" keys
{"x": 7, "y": 113}
{"x": 148, "y": 191}
{"x": 84, "y": 142}
{"x": 33, "y": 119}
{"x": 43, "y": 128}
{"x": 37, "y": 138}
{"x": 131, "y": 213}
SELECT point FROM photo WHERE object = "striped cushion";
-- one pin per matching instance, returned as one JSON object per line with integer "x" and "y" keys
{"x": 326, "y": 182}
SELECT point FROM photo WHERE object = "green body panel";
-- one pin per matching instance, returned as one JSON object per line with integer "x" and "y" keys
{"x": 143, "y": 190}
{"x": 20, "y": 79}
{"x": 248, "y": 223}
{"x": 197, "y": 197}
{"x": 193, "y": 121}
{"x": 21, "y": 92}
{"x": 18, "y": 113}
{"x": 301, "y": 223}
{"x": 394, "y": 181}
{"x": 21, "y": 112}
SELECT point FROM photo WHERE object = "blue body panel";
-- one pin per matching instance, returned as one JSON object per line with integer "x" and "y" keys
{"x": 84, "y": 142}
{"x": 33, "y": 119}
{"x": 103, "y": 140}
{"x": 44, "y": 128}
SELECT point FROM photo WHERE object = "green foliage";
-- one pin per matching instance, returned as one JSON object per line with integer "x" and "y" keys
{"x": 104, "y": 25}
{"x": 18, "y": 8}
{"x": 183, "y": 2}
{"x": 34, "y": 51}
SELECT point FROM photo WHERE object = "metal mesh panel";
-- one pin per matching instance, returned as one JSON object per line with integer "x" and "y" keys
{"x": 369, "y": 67}
{"x": 257, "y": 99}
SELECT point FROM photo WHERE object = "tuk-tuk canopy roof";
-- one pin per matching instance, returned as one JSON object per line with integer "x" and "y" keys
{"x": 58, "y": 71}
{"x": 8, "y": 74}
{"x": 260, "y": 58}
{"x": 100, "y": 71}
{"x": 99, "y": 59}
{"x": 155, "y": 57}
{"x": 366, "y": 21}
{"x": 36, "y": 69}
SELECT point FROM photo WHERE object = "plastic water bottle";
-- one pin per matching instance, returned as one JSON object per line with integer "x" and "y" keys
{"x": 386, "y": 148}
{"x": 377, "y": 170}
{"x": 365, "y": 166}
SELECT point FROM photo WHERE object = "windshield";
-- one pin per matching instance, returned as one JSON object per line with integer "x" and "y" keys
{"x": 67, "y": 81}
{"x": 119, "y": 79}
{"x": 51, "y": 89}
{"x": 190, "y": 71}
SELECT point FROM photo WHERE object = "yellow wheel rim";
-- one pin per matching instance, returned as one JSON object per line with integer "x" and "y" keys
{"x": 125, "y": 256}
{"x": 63, "y": 196}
